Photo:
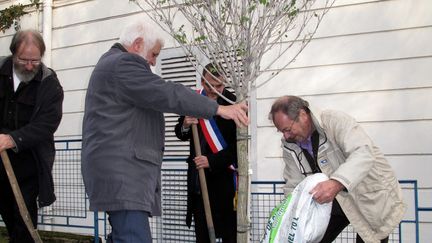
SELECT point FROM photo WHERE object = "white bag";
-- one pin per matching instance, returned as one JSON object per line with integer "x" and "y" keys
{"x": 298, "y": 218}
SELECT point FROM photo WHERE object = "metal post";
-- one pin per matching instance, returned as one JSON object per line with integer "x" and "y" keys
{"x": 96, "y": 226}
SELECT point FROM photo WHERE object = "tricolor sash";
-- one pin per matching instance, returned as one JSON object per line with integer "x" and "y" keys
{"x": 211, "y": 132}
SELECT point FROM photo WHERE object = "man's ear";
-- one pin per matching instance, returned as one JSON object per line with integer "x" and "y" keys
{"x": 303, "y": 115}
{"x": 138, "y": 44}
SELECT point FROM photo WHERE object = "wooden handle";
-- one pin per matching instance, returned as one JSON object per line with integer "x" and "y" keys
{"x": 19, "y": 198}
{"x": 203, "y": 184}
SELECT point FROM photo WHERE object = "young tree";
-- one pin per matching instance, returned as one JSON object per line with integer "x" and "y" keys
{"x": 245, "y": 38}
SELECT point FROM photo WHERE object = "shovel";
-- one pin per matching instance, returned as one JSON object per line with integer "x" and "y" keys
{"x": 203, "y": 184}
{"x": 19, "y": 198}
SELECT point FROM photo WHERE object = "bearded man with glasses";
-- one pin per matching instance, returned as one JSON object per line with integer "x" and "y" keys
{"x": 30, "y": 111}
{"x": 362, "y": 185}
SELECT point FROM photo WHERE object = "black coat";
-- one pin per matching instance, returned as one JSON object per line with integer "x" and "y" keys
{"x": 220, "y": 180}
{"x": 38, "y": 134}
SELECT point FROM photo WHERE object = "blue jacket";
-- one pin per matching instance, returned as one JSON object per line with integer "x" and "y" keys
{"x": 123, "y": 131}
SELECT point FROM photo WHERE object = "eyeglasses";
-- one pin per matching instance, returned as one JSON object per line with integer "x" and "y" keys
{"x": 26, "y": 61}
{"x": 288, "y": 130}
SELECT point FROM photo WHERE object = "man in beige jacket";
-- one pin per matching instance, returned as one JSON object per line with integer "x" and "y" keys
{"x": 362, "y": 185}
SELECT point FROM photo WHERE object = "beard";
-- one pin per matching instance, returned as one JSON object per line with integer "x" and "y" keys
{"x": 23, "y": 74}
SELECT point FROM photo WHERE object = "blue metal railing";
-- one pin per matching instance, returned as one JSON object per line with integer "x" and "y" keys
{"x": 416, "y": 212}
{"x": 71, "y": 210}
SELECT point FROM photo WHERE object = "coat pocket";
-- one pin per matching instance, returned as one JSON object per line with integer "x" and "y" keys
{"x": 152, "y": 156}
{"x": 374, "y": 203}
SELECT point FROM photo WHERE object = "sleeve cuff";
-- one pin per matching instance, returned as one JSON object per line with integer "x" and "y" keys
{"x": 15, "y": 147}
{"x": 184, "y": 130}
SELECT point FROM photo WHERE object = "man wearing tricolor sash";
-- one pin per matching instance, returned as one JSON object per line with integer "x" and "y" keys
{"x": 219, "y": 159}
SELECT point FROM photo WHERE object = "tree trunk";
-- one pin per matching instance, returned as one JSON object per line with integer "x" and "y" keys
{"x": 243, "y": 223}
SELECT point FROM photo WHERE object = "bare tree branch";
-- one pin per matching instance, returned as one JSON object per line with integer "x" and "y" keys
{"x": 237, "y": 36}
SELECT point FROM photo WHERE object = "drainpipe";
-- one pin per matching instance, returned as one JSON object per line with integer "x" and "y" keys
{"x": 47, "y": 36}
{"x": 47, "y": 30}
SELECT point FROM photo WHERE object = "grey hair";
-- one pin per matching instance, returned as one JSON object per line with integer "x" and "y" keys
{"x": 289, "y": 105}
{"x": 26, "y": 37}
{"x": 143, "y": 29}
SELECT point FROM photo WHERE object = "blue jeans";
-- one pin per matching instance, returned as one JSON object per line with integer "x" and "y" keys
{"x": 130, "y": 226}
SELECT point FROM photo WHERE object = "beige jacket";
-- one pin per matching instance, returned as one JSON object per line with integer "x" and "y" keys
{"x": 373, "y": 200}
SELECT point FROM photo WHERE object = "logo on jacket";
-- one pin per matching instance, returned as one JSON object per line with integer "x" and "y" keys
{"x": 323, "y": 162}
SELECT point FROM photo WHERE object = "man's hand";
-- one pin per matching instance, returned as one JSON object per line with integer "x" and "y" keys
{"x": 236, "y": 112}
{"x": 6, "y": 142}
{"x": 326, "y": 191}
{"x": 201, "y": 162}
{"x": 189, "y": 121}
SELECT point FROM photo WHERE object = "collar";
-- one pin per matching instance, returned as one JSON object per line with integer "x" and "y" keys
{"x": 316, "y": 120}
{"x": 120, "y": 47}
{"x": 228, "y": 95}
{"x": 305, "y": 144}
{"x": 317, "y": 123}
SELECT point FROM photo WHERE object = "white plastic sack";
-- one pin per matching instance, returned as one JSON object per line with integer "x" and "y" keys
{"x": 298, "y": 218}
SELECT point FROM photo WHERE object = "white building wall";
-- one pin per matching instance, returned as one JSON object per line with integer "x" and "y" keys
{"x": 369, "y": 58}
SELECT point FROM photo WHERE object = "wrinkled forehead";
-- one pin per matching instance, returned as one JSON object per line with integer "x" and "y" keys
{"x": 28, "y": 48}
{"x": 156, "y": 47}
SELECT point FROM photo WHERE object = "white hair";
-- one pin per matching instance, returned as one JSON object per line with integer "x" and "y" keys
{"x": 141, "y": 29}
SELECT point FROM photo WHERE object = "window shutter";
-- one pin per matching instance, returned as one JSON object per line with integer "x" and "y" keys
{"x": 175, "y": 66}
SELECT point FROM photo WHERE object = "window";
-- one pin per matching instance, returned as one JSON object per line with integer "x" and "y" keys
{"x": 175, "y": 66}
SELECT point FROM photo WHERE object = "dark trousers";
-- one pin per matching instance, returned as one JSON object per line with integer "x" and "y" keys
{"x": 130, "y": 226}
{"x": 9, "y": 211}
{"x": 338, "y": 222}
{"x": 201, "y": 229}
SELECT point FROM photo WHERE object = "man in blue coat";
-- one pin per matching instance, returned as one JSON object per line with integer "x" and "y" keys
{"x": 123, "y": 131}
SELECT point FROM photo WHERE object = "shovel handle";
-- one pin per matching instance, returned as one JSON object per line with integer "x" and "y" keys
{"x": 19, "y": 198}
{"x": 204, "y": 190}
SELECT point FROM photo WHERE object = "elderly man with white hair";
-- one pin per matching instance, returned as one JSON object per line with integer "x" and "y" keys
{"x": 123, "y": 130}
